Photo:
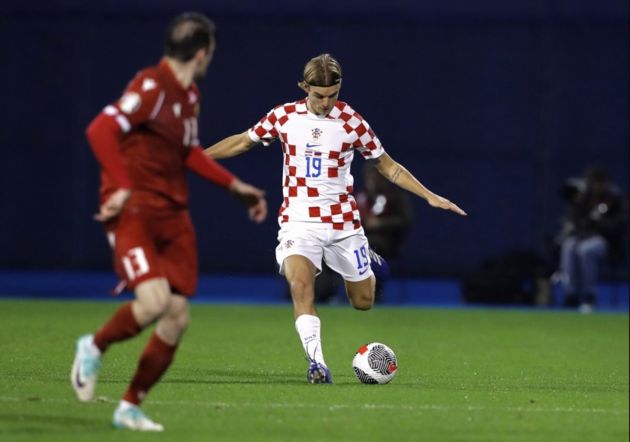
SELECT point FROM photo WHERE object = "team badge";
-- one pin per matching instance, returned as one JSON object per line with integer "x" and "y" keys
{"x": 315, "y": 134}
{"x": 130, "y": 102}
{"x": 148, "y": 84}
{"x": 288, "y": 243}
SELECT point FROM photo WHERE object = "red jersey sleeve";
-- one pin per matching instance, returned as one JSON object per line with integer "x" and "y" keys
{"x": 208, "y": 168}
{"x": 140, "y": 102}
{"x": 104, "y": 134}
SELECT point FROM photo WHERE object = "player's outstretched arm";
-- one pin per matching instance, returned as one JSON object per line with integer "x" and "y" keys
{"x": 400, "y": 176}
{"x": 230, "y": 146}
{"x": 252, "y": 197}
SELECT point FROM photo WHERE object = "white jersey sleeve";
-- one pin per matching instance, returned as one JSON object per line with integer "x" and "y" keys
{"x": 365, "y": 140}
{"x": 266, "y": 130}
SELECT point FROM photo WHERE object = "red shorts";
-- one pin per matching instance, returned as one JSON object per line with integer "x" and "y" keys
{"x": 155, "y": 244}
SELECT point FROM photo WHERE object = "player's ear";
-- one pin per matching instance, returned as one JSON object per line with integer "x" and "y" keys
{"x": 304, "y": 86}
{"x": 201, "y": 54}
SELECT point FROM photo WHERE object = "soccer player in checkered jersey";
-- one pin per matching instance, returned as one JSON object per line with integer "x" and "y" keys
{"x": 319, "y": 217}
{"x": 144, "y": 143}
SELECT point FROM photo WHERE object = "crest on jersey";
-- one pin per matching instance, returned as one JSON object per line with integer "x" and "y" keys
{"x": 177, "y": 109}
{"x": 288, "y": 243}
{"x": 148, "y": 84}
{"x": 316, "y": 133}
{"x": 130, "y": 102}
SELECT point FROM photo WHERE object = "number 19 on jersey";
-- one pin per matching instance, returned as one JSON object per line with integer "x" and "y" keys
{"x": 313, "y": 167}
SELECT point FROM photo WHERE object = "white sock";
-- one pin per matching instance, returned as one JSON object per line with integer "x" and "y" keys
{"x": 308, "y": 327}
{"x": 124, "y": 405}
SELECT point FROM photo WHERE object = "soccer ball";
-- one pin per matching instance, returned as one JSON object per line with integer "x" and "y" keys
{"x": 375, "y": 363}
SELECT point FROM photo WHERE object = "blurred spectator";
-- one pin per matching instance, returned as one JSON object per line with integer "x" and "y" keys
{"x": 516, "y": 276}
{"x": 385, "y": 213}
{"x": 386, "y": 217}
{"x": 593, "y": 230}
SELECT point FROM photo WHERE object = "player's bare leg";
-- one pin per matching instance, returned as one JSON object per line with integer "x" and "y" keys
{"x": 152, "y": 300}
{"x": 300, "y": 274}
{"x": 172, "y": 325}
{"x": 361, "y": 293}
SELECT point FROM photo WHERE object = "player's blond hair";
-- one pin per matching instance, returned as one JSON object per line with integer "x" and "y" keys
{"x": 321, "y": 71}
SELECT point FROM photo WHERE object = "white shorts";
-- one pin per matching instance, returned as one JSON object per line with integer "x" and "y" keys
{"x": 344, "y": 251}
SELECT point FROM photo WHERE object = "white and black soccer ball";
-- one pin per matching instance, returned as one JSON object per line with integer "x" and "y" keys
{"x": 375, "y": 363}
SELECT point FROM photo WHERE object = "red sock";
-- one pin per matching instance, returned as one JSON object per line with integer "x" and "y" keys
{"x": 155, "y": 359}
{"x": 121, "y": 326}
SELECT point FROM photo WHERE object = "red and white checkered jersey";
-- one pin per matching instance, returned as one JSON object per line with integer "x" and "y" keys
{"x": 317, "y": 184}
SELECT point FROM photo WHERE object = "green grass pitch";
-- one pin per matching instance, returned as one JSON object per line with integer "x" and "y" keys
{"x": 465, "y": 375}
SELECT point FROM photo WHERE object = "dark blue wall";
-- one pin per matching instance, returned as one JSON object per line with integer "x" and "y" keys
{"x": 490, "y": 103}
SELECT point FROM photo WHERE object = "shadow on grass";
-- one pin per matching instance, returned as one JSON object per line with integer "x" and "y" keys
{"x": 24, "y": 423}
{"x": 237, "y": 377}
{"x": 242, "y": 377}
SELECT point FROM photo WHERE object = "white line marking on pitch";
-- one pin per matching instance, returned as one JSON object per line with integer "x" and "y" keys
{"x": 332, "y": 407}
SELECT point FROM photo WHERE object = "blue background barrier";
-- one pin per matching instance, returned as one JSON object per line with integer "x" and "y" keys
{"x": 240, "y": 288}
{"x": 490, "y": 103}
{"x": 98, "y": 286}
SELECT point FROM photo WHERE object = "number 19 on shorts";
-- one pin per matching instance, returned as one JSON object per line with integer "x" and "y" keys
{"x": 363, "y": 262}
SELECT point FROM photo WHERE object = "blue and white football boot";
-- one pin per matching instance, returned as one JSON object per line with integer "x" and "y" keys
{"x": 378, "y": 264}
{"x": 130, "y": 417}
{"x": 87, "y": 363}
{"x": 318, "y": 374}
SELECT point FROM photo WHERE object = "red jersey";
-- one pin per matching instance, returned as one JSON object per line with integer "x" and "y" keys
{"x": 156, "y": 125}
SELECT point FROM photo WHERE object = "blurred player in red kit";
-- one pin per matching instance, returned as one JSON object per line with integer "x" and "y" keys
{"x": 144, "y": 143}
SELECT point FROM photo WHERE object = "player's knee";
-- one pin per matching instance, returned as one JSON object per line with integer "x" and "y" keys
{"x": 182, "y": 320}
{"x": 299, "y": 287}
{"x": 174, "y": 323}
{"x": 362, "y": 301}
{"x": 178, "y": 315}
{"x": 153, "y": 311}
{"x": 154, "y": 304}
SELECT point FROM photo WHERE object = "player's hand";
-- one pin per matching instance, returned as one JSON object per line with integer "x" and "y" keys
{"x": 252, "y": 197}
{"x": 113, "y": 205}
{"x": 442, "y": 203}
